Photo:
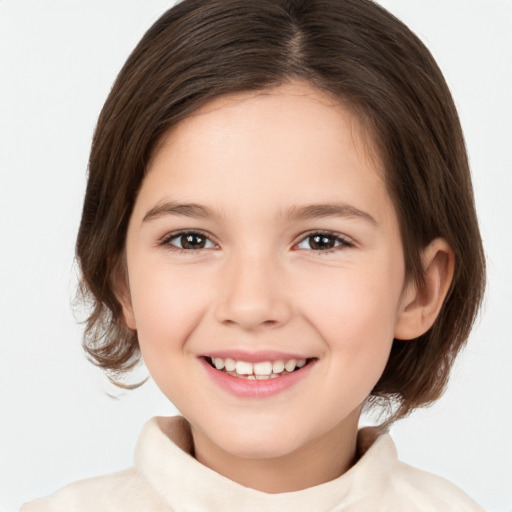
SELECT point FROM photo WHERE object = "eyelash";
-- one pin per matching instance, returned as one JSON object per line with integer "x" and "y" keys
{"x": 178, "y": 234}
{"x": 342, "y": 241}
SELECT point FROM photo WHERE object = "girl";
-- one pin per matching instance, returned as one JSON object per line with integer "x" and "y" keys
{"x": 277, "y": 211}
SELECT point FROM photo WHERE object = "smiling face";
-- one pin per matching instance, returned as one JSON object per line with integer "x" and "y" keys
{"x": 263, "y": 234}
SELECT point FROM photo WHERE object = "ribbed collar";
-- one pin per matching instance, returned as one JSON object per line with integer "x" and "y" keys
{"x": 162, "y": 456}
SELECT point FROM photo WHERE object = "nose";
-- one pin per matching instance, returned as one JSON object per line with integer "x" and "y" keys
{"x": 252, "y": 293}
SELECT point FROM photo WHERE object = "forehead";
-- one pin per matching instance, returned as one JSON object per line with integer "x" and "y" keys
{"x": 280, "y": 144}
{"x": 296, "y": 99}
{"x": 288, "y": 113}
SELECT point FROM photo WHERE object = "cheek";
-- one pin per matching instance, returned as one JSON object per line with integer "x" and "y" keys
{"x": 167, "y": 306}
{"x": 359, "y": 335}
{"x": 353, "y": 305}
{"x": 355, "y": 311}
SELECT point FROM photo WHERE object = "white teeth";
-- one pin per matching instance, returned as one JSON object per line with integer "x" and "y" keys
{"x": 257, "y": 371}
{"x": 230, "y": 365}
{"x": 218, "y": 362}
{"x": 277, "y": 366}
{"x": 264, "y": 368}
{"x": 243, "y": 368}
{"x": 290, "y": 365}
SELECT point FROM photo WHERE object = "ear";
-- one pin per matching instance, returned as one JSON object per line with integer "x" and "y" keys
{"x": 122, "y": 293}
{"x": 419, "y": 307}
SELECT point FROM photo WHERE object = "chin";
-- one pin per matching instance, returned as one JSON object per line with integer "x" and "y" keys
{"x": 255, "y": 439}
{"x": 263, "y": 447}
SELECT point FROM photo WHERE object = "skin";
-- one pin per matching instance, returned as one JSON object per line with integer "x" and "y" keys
{"x": 258, "y": 283}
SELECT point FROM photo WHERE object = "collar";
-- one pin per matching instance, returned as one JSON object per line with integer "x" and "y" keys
{"x": 163, "y": 457}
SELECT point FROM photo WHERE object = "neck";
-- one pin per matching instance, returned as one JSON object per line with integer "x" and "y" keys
{"x": 319, "y": 461}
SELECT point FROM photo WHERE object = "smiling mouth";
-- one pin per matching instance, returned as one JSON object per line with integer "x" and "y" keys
{"x": 263, "y": 370}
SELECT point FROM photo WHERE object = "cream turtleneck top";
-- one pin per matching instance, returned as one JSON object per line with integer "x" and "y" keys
{"x": 165, "y": 477}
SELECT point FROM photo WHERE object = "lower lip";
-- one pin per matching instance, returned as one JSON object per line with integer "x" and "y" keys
{"x": 245, "y": 388}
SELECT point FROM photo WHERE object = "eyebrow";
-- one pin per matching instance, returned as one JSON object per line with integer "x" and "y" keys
{"x": 179, "y": 209}
{"x": 305, "y": 212}
{"x": 316, "y": 211}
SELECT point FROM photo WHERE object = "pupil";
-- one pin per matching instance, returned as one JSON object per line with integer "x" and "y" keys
{"x": 322, "y": 242}
{"x": 193, "y": 241}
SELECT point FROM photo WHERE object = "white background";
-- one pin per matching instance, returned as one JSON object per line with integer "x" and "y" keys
{"x": 57, "y": 424}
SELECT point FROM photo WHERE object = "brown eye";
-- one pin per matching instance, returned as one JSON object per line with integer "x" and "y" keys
{"x": 190, "y": 241}
{"x": 323, "y": 242}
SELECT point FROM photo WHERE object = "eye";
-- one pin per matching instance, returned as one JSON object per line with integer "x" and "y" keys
{"x": 188, "y": 241}
{"x": 324, "y": 241}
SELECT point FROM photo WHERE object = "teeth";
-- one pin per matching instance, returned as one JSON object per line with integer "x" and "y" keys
{"x": 243, "y": 368}
{"x": 229, "y": 364}
{"x": 262, "y": 370}
{"x": 277, "y": 366}
{"x": 218, "y": 362}
{"x": 290, "y": 365}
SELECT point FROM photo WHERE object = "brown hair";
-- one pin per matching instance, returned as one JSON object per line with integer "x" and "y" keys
{"x": 352, "y": 49}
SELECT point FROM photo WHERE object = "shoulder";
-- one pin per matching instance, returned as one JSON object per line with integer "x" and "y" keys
{"x": 431, "y": 492}
{"x": 132, "y": 490}
{"x": 125, "y": 490}
{"x": 404, "y": 487}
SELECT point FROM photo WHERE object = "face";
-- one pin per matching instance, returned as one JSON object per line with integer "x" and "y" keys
{"x": 263, "y": 236}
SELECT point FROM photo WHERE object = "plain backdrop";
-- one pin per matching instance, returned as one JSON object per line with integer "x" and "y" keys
{"x": 57, "y": 421}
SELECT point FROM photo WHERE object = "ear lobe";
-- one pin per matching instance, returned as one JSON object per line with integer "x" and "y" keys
{"x": 129, "y": 317}
{"x": 419, "y": 307}
{"x": 122, "y": 293}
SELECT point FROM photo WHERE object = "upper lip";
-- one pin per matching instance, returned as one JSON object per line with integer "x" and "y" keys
{"x": 255, "y": 357}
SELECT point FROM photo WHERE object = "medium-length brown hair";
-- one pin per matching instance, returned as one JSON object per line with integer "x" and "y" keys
{"x": 358, "y": 53}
